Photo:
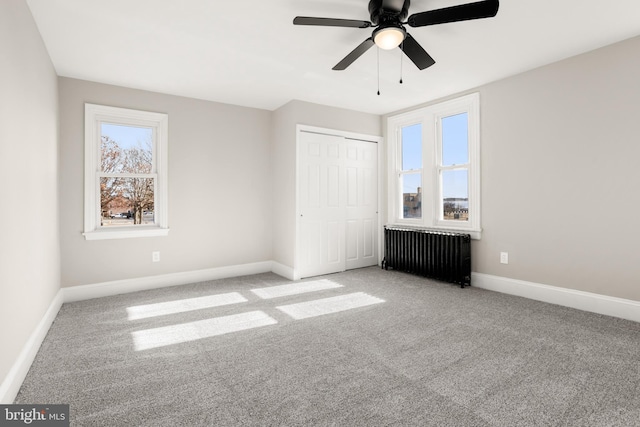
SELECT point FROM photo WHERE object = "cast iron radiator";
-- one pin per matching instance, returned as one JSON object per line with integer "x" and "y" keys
{"x": 438, "y": 255}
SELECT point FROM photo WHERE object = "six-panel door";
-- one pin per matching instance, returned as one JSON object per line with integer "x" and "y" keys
{"x": 337, "y": 185}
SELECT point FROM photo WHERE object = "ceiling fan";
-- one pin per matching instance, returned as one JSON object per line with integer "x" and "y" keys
{"x": 388, "y": 19}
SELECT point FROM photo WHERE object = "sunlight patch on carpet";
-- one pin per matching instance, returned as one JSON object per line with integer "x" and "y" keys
{"x": 324, "y": 306}
{"x": 192, "y": 331}
{"x": 182, "y": 305}
{"x": 295, "y": 288}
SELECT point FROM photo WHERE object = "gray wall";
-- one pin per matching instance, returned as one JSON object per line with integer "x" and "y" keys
{"x": 29, "y": 250}
{"x": 560, "y": 175}
{"x": 219, "y": 189}
{"x": 560, "y": 147}
{"x": 283, "y": 149}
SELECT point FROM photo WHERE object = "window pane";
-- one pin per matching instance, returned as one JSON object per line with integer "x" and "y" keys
{"x": 455, "y": 195}
{"x": 455, "y": 144}
{"x": 127, "y": 201}
{"x": 411, "y": 195}
{"x": 412, "y": 147}
{"x": 126, "y": 149}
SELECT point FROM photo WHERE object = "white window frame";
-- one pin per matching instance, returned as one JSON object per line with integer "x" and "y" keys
{"x": 95, "y": 115}
{"x": 430, "y": 117}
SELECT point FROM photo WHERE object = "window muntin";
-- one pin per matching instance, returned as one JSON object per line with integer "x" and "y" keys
{"x": 449, "y": 178}
{"x": 125, "y": 173}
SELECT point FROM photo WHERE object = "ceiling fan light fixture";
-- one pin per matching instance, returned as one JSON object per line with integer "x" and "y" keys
{"x": 389, "y": 37}
{"x": 388, "y": 20}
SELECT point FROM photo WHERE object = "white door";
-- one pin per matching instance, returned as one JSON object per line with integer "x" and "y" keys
{"x": 362, "y": 204}
{"x": 321, "y": 200}
{"x": 337, "y": 191}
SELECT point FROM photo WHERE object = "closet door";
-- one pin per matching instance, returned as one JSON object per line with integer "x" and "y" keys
{"x": 322, "y": 201}
{"x": 338, "y": 199}
{"x": 361, "y": 204}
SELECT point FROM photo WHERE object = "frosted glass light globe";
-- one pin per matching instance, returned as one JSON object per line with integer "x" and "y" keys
{"x": 389, "y": 38}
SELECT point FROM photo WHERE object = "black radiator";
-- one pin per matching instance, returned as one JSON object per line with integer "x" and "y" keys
{"x": 439, "y": 255}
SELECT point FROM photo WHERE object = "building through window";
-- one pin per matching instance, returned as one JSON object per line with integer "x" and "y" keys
{"x": 434, "y": 166}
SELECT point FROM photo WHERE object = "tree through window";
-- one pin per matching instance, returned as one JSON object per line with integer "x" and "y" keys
{"x": 127, "y": 177}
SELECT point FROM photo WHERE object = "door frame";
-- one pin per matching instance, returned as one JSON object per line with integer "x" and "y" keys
{"x": 379, "y": 140}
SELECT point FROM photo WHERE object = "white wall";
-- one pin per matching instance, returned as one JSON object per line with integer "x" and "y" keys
{"x": 560, "y": 147}
{"x": 283, "y": 149}
{"x": 29, "y": 250}
{"x": 220, "y": 210}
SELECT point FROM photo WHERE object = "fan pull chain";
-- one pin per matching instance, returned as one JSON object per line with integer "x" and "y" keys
{"x": 401, "y": 55}
{"x": 378, "y": 53}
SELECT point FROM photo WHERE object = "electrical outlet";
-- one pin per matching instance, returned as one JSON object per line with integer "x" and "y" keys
{"x": 504, "y": 257}
{"x": 155, "y": 256}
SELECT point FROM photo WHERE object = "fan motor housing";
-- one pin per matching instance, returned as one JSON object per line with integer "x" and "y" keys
{"x": 380, "y": 15}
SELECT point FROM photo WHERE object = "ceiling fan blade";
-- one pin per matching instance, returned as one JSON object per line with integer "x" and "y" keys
{"x": 463, "y": 12}
{"x": 355, "y": 54}
{"x": 416, "y": 53}
{"x": 395, "y": 5}
{"x": 330, "y": 22}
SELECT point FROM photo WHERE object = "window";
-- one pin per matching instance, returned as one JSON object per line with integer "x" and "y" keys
{"x": 411, "y": 171}
{"x": 434, "y": 155}
{"x": 125, "y": 173}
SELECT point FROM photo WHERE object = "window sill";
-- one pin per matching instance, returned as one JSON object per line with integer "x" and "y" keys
{"x": 125, "y": 233}
{"x": 475, "y": 234}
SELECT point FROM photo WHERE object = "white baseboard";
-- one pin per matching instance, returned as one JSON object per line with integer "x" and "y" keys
{"x": 13, "y": 381}
{"x": 282, "y": 270}
{"x": 98, "y": 290}
{"x": 587, "y": 301}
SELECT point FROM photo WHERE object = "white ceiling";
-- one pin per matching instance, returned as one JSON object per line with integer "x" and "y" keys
{"x": 249, "y": 53}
